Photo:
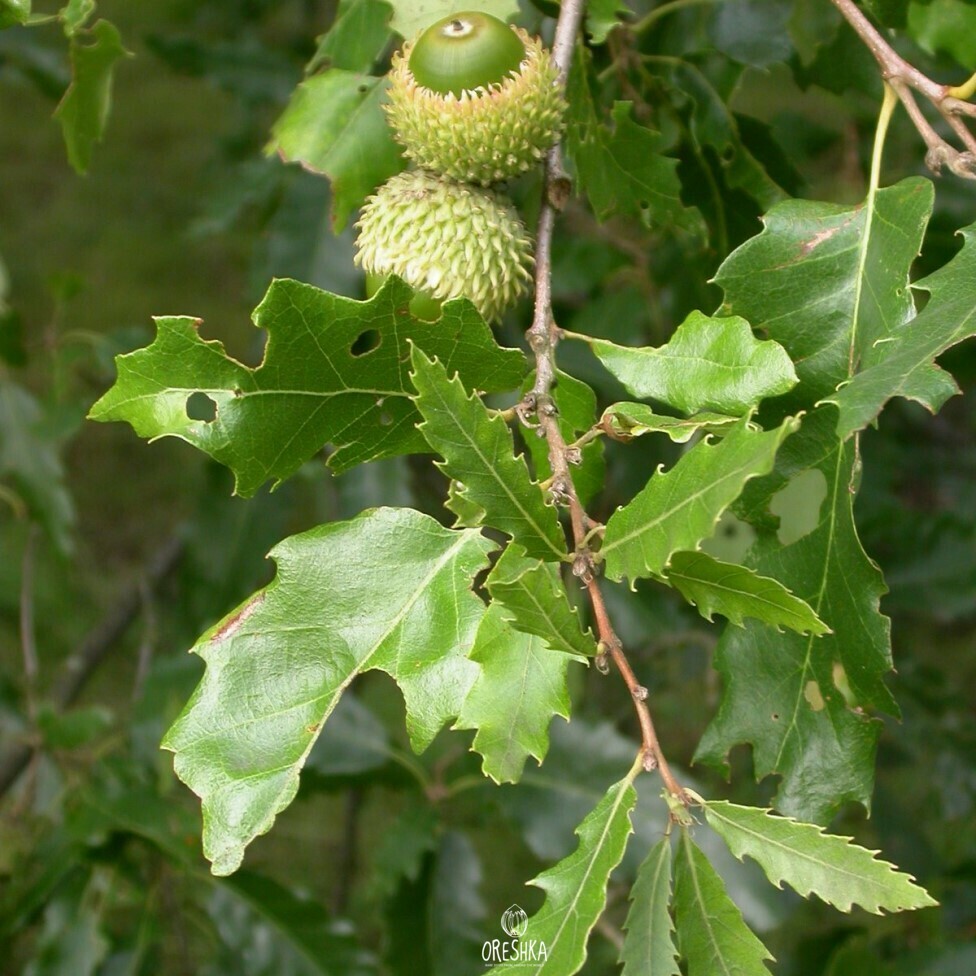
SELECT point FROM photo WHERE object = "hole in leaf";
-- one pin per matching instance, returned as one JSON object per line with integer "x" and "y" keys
{"x": 201, "y": 407}
{"x": 365, "y": 342}
{"x": 385, "y": 419}
{"x": 798, "y": 505}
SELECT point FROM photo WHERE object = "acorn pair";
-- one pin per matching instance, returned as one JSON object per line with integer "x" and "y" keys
{"x": 473, "y": 102}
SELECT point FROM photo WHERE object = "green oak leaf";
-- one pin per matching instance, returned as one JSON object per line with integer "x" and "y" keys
{"x": 334, "y": 124}
{"x": 806, "y": 732}
{"x": 478, "y": 453}
{"x": 357, "y": 38}
{"x": 713, "y": 125}
{"x": 628, "y": 420}
{"x": 602, "y": 16}
{"x": 576, "y": 403}
{"x": 679, "y": 508}
{"x": 712, "y": 937}
{"x": 576, "y": 888}
{"x": 737, "y": 592}
{"x": 83, "y": 111}
{"x": 533, "y": 600}
{"x": 713, "y": 364}
{"x": 14, "y": 12}
{"x": 388, "y": 590}
{"x": 945, "y": 25}
{"x": 649, "y": 948}
{"x": 808, "y": 860}
{"x": 313, "y": 387}
{"x": 621, "y": 170}
{"x": 904, "y": 366}
{"x": 412, "y": 16}
{"x": 830, "y": 283}
{"x": 521, "y": 686}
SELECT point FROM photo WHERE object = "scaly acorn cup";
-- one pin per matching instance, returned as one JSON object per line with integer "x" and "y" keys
{"x": 446, "y": 240}
{"x": 475, "y": 99}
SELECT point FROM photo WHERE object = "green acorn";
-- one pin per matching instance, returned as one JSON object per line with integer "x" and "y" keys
{"x": 475, "y": 99}
{"x": 446, "y": 240}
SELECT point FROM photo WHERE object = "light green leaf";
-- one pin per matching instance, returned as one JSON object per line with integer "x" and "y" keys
{"x": 468, "y": 514}
{"x": 808, "y": 860}
{"x": 602, "y": 16}
{"x": 677, "y": 509}
{"x": 388, "y": 590}
{"x": 830, "y": 283}
{"x": 83, "y": 111}
{"x": 713, "y": 364}
{"x": 533, "y": 598}
{"x": 478, "y": 450}
{"x": 576, "y": 888}
{"x": 14, "y": 12}
{"x": 945, "y": 25}
{"x": 74, "y": 14}
{"x": 737, "y": 592}
{"x": 712, "y": 937}
{"x": 521, "y": 686}
{"x": 904, "y": 366}
{"x": 621, "y": 170}
{"x": 628, "y": 420}
{"x": 412, "y": 16}
{"x": 357, "y": 38}
{"x": 649, "y": 948}
{"x": 334, "y": 124}
{"x": 806, "y": 732}
{"x": 313, "y": 387}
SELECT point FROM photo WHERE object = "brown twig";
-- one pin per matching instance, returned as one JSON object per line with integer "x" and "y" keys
{"x": 543, "y": 336}
{"x": 905, "y": 80}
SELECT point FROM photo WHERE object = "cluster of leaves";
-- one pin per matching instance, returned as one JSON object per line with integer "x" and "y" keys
{"x": 479, "y": 630}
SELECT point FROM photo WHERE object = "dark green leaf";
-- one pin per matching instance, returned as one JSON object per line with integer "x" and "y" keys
{"x": 334, "y": 124}
{"x": 753, "y": 32}
{"x": 830, "y": 283}
{"x": 905, "y": 365}
{"x": 477, "y": 448}
{"x": 389, "y": 590}
{"x": 83, "y": 112}
{"x": 621, "y": 169}
{"x": 576, "y": 888}
{"x": 808, "y": 860}
{"x": 521, "y": 686}
{"x": 310, "y": 389}
{"x": 273, "y": 932}
{"x": 708, "y": 364}
{"x": 679, "y": 508}
{"x": 737, "y": 592}
{"x": 944, "y": 25}
{"x": 649, "y": 948}
{"x": 533, "y": 598}
{"x": 805, "y": 731}
{"x": 712, "y": 937}
{"x": 456, "y": 907}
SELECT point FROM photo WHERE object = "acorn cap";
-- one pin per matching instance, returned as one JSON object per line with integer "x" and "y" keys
{"x": 463, "y": 104}
{"x": 446, "y": 240}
